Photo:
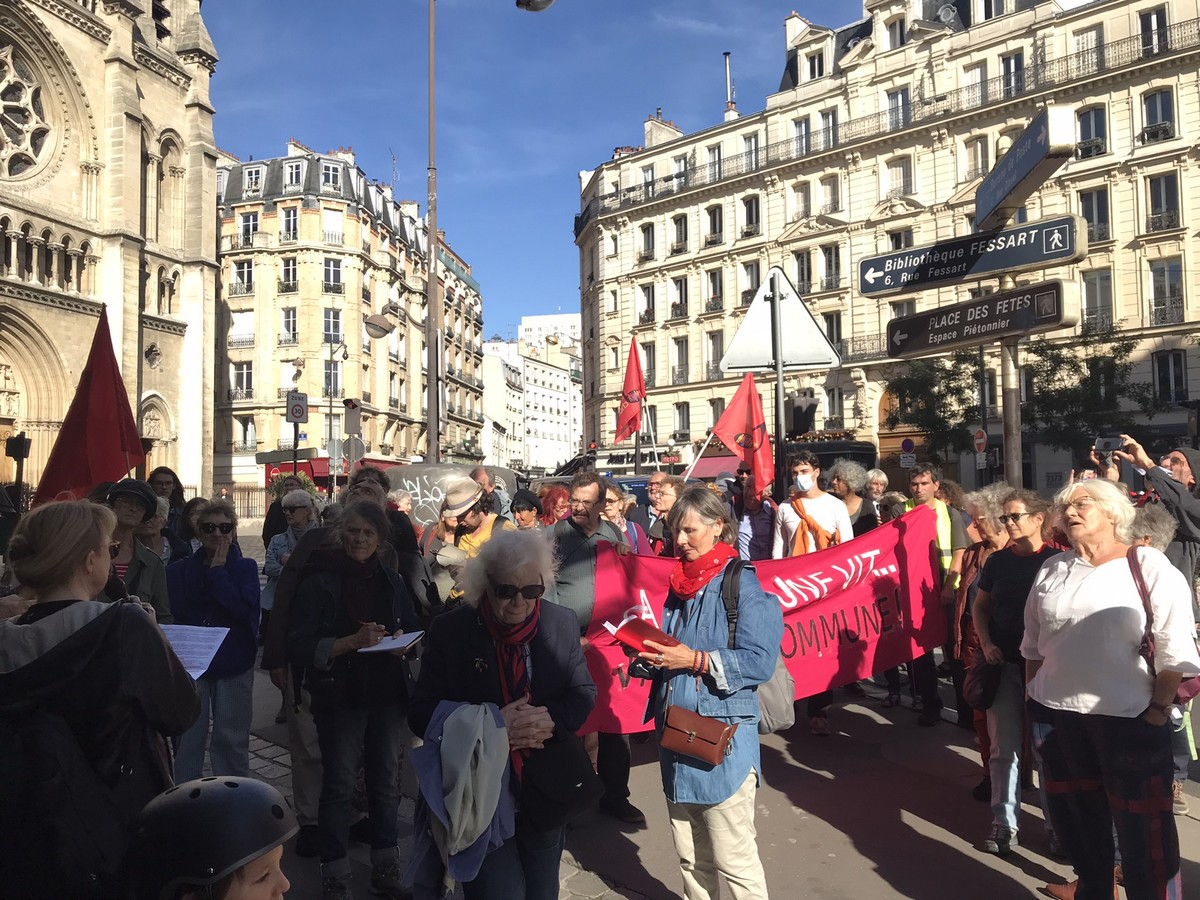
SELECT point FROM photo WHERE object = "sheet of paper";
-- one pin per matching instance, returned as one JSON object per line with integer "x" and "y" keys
{"x": 195, "y": 645}
{"x": 399, "y": 642}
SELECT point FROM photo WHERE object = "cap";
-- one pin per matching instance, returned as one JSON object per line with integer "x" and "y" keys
{"x": 138, "y": 490}
{"x": 526, "y": 499}
{"x": 461, "y": 495}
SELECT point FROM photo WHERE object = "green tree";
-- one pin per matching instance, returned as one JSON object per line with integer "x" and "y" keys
{"x": 1083, "y": 388}
{"x": 940, "y": 397}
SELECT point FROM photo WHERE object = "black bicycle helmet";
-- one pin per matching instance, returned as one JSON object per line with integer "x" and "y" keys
{"x": 139, "y": 491}
{"x": 196, "y": 833}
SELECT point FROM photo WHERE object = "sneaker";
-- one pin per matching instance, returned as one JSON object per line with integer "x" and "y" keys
{"x": 983, "y": 791}
{"x": 1179, "y": 804}
{"x": 387, "y": 880}
{"x": 1000, "y": 839}
{"x": 929, "y": 718}
{"x": 335, "y": 888}
{"x": 820, "y": 725}
{"x": 892, "y": 699}
{"x": 622, "y": 810}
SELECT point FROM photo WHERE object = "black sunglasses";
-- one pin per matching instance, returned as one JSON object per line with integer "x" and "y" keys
{"x": 743, "y": 471}
{"x": 223, "y": 527}
{"x": 528, "y": 591}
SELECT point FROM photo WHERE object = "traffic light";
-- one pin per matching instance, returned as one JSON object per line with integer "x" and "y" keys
{"x": 800, "y": 411}
{"x": 591, "y": 453}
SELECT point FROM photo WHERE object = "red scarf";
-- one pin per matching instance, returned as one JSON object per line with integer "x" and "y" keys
{"x": 510, "y": 643}
{"x": 687, "y": 578}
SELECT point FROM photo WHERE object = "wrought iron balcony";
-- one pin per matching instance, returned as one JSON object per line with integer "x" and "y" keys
{"x": 1163, "y": 221}
{"x": 245, "y": 446}
{"x": 646, "y": 317}
{"x": 751, "y": 230}
{"x": 831, "y": 282}
{"x": 679, "y": 310}
{"x": 335, "y": 393}
{"x": 748, "y": 295}
{"x": 285, "y": 444}
{"x": 1097, "y": 231}
{"x": 711, "y": 240}
{"x": 241, "y": 288}
{"x": 1091, "y": 147}
{"x": 681, "y": 436}
{"x": 237, "y": 394}
{"x": 835, "y": 423}
{"x": 284, "y": 391}
{"x": 678, "y": 247}
{"x": 288, "y": 339}
{"x": 858, "y": 349}
{"x": 366, "y": 397}
{"x": 904, "y": 189}
{"x": 288, "y": 287}
{"x": 393, "y": 402}
{"x": 714, "y": 304}
{"x": 288, "y": 237}
{"x": 333, "y": 287}
{"x": 978, "y": 170}
{"x": 650, "y": 376}
{"x": 804, "y": 287}
{"x": 679, "y": 375}
{"x": 645, "y": 256}
{"x": 1159, "y": 131}
{"x": 830, "y": 208}
{"x": 1098, "y": 319}
{"x": 1166, "y": 310}
{"x": 714, "y": 371}
{"x": 336, "y": 238}
{"x": 241, "y": 340}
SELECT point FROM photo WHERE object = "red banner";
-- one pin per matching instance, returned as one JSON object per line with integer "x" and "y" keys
{"x": 848, "y": 612}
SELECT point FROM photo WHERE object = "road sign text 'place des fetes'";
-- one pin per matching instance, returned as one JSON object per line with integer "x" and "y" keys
{"x": 1033, "y": 245}
{"x": 1027, "y": 310}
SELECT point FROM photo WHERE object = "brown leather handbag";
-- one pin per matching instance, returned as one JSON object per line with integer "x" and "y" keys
{"x": 700, "y": 737}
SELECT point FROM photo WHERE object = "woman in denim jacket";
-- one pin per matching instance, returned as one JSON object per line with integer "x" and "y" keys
{"x": 712, "y": 807}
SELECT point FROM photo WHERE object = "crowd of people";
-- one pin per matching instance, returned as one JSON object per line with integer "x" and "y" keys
{"x": 1070, "y": 623}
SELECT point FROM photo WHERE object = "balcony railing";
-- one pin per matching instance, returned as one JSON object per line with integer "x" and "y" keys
{"x": 681, "y": 435}
{"x": 645, "y": 255}
{"x": 385, "y": 449}
{"x": 285, "y": 444}
{"x": 241, "y": 340}
{"x": 393, "y": 402}
{"x": 335, "y": 393}
{"x": 283, "y": 392}
{"x": 714, "y": 304}
{"x": 1091, "y": 147}
{"x": 366, "y": 396}
{"x": 288, "y": 237}
{"x": 714, "y": 371}
{"x": 1166, "y": 310}
{"x": 240, "y": 394}
{"x": 678, "y": 247}
{"x": 335, "y": 238}
{"x": 976, "y": 171}
{"x": 288, "y": 339}
{"x": 831, "y": 282}
{"x": 1048, "y": 77}
{"x": 1098, "y": 231}
{"x": 331, "y": 187}
{"x": 289, "y": 287}
{"x": 293, "y": 187}
{"x": 679, "y": 375}
{"x": 872, "y": 346}
{"x": 835, "y": 423}
{"x": 904, "y": 189}
{"x": 830, "y": 208}
{"x": 333, "y": 287}
{"x": 650, "y": 376}
{"x": 1159, "y": 131}
{"x": 748, "y": 295}
{"x": 245, "y": 446}
{"x": 804, "y": 287}
{"x": 711, "y": 240}
{"x": 679, "y": 310}
{"x": 646, "y": 317}
{"x": 750, "y": 230}
{"x": 1100, "y": 319}
{"x": 241, "y": 288}
{"x": 1163, "y": 221}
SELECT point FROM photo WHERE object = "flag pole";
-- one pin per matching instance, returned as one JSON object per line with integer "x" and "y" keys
{"x": 780, "y": 490}
{"x": 637, "y": 442}
{"x": 653, "y": 442}
{"x": 687, "y": 473}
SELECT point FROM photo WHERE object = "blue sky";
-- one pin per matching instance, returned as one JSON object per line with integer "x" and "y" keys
{"x": 525, "y": 101}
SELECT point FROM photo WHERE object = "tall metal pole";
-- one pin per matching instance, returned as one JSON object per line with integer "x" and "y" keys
{"x": 637, "y": 440}
{"x": 433, "y": 306}
{"x": 780, "y": 491}
{"x": 329, "y": 422}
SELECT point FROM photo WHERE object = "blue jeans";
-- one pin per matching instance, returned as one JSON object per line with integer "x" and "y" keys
{"x": 525, "y": 867}
{"x": 230, "y": 701}
{"x": 1006, "y": 728}
{"x": 348, "y": 736}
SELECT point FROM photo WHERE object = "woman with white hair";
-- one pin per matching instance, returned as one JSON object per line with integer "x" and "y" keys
{"x": 505, "y": 648}
{"x": 1104, "y": 677}
{"x": 847, "y": 481}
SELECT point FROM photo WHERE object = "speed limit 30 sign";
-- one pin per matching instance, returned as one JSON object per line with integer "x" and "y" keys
{"x": 297, "y": 407}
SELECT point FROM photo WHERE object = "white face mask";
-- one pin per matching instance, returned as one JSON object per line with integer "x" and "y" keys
{"x": 804, "y": 483}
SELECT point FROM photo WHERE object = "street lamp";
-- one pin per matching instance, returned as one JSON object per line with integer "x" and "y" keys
{"x": 433, "y": 307}
{"x": 330, "y": 390}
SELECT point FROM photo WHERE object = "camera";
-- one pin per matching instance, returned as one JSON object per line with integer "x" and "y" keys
{"x": 1108, "y": 444}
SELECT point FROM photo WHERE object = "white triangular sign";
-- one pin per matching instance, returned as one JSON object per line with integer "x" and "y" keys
{"x": 805, "y": 344}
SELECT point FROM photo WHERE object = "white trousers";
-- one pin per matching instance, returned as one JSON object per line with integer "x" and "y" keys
{"x": 719, "y": 840}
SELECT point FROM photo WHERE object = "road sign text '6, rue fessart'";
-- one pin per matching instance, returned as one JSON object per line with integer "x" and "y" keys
{"x": 1027, "y": 310}
{"x": 1033, "y": 245}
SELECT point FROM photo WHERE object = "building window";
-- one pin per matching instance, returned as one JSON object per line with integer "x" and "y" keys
{"x": 287, "y": 224}
{"x": 1093, "y": 206}
{"x": 831, "y": 258}
{"x": 978, "y": 158}
{"x": 802, "y": 136}
{"x": 1162, "y": 193}
{"x": 680, "y": 226}
{"x": 896, "y": 33}
{"x": 802, "y": 194}
{"x": 683, "y": 421}
{"x": 252, "y": 180}
{"x": 750, "y": 214}
{"x": 714, "y": 162}
{"x": 613, "y": 304}
{"x": 1093, "y": 132}
{"x": 1166, "y": 283}
{"x": 648, "y": 181}
{"x": 1154, "y": 31}
{"x": 287, "y": 272}
{"x": 647, "y": 243}
{"x": 716, "y": 409}
{"x": 993, "y": 8}
{"x": 291, "y": 173}
{"x": 715, "y": 346}
{"x": 614, "y": 358}
{"x": 331, "y": 176}
{"x": 613, "y": 245}
{"x": 333, "y": 427}
{"x": 900, "y": 182}
{"x": 288, "y": 333}
{"x": 899, "y": 109}
{"x": 831, "y": 200}
{"x": 1170, "y": 376}
{"x": 833, "y": 326}
{"x": 647, "y": 313}
{"x": 1012, "y": 68}
{"x": 649, "y": 363}
{"x": 902, "y": 308}
{"x": 900, "y": 239}
{"x": 829, "y": 129}
{"x": 804, "y": 271}
{"x": 243, "y": 276}
{"x": 649, "y": 419}
{"x": 1159, "y": 112}
{"x": 750, "y": 151}
{"x": 248, "y": 227}
{"x": 332, "y": 326}
{"x": 816, "y": 65}
{"x": 834, "y": 408}
{"x": 243, "y": 380}
{"x": 1097, "y": 299}
{"x": 716, "y": 289}
{"x": 679, "y": 371}
{"x": 333, "y": 271}
{"x": 750, "y": 275}
{"x": 715, "y": 225}
{"x": 679, "y": 302}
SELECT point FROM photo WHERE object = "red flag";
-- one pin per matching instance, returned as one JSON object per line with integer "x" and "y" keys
{"x": 98, "y": 440}
{"x": 743, "y": 430}
{"x": 629, "y": 416}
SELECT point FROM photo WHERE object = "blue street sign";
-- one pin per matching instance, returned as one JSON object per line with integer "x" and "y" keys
{"x": 1045, "y": 144}
{"x": 1033, "y": 245}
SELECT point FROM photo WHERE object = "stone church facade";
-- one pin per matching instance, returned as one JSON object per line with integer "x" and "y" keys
{"x": 108, "y": 198}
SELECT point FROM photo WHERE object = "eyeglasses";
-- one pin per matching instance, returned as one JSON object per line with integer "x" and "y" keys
{"x": 609, "y": 501}
{"x": 162, "y": 482}
{"x": 743, "y": 472}
{"x": 528, "y": 591}
{"x": 114, "y": 547}
{"x": 1013, "y": 518}
{"x": 211, "y": 527}
{"x": 1083, "y": 504}
{"x": 291, "y": 509}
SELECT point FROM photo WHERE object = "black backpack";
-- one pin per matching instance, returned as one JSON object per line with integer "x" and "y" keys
{"x": 62, "y": 834}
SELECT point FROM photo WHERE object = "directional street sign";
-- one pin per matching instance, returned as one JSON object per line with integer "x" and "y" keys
{"x": 297, "y": 407}
{"x": 280, "y": 456}
{"x": 1047, "y": 142}
{"x": 1033, "y": 245}
{"x": 805, "y": 344}
{"x": 1027, "y": 310}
